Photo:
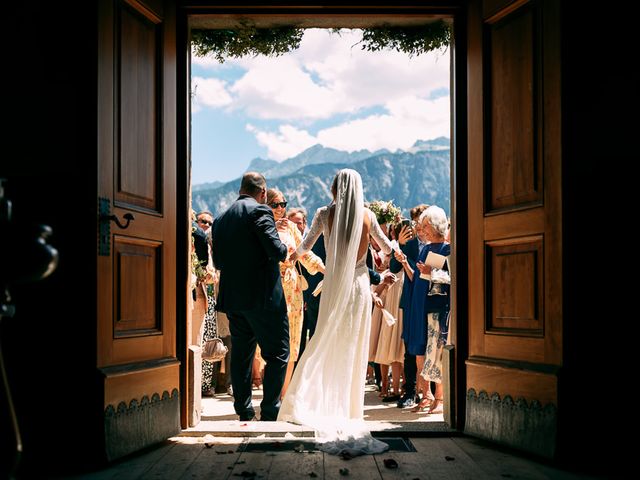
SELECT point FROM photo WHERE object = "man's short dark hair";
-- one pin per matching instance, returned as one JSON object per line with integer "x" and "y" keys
{"x": 252, "y": 183}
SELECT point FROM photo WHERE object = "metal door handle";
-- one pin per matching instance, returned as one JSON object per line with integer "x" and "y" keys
{"x": 127, "y": 216}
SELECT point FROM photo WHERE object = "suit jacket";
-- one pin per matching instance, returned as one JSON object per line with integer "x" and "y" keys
{"x": 374, "y": 277}
{"x": 314, "y": 280}
{"x": 247, "y": 250}
{"x": 411, "y": 250}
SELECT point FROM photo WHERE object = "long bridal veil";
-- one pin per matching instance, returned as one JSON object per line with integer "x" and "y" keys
{"x": 327, "y": 389}
{"x": 343, "y": 247}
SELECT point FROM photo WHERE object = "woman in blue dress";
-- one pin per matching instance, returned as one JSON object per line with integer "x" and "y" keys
{"x": 428, "y": 306}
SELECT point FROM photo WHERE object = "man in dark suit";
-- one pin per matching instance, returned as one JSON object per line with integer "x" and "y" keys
{"x": 247, "y": 251}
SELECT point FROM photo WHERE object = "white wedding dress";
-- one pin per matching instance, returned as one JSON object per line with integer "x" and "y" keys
{"x": 328, "y": 385}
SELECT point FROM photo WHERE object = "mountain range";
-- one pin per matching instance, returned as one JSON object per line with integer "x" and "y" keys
{"x": 408, "y": 178}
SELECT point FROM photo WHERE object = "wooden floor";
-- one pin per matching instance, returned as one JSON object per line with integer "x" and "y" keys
{"x": 221, "y": 447}
{"x": 207, "y": 457}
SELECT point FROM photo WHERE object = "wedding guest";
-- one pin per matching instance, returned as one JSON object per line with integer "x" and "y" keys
{"x": 247, "y": 251}
{"x": 205, "y": 220}
{"x": 421, "y": 307}
{"x": 389, "y": 351}
{"x": 437, "y": 307}
{"x": 293, "y": 281}
{"x": 202, "y": 312}
{"x": 380, "y": 263}
{"x": 411, "y": 243}
{"x": 223, "y": 372}
{"x": 209, "y": 328}
{"x": 298, "y": 216}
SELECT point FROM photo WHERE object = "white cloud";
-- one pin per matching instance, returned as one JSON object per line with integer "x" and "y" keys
{"x": 209, "y": 92}
{"x": 286, "y": 143}
{"x": 280, "y": 89}
{"x": 331, "y": 74}
{"x": 407, "y": 119}
{"x": 373, "y": 78}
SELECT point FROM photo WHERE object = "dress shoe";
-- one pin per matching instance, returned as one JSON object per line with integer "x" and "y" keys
{"x": 406, "y": 401}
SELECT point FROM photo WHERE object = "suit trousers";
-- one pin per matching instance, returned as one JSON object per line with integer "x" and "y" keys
{"x": 309, "y": 322}
{"x": 410, "y": 372}
{"x": 270, "y": 329}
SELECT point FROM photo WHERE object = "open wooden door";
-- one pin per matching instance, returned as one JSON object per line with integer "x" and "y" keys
{"x": 515, "y": 262}
{"x": 136, "y": 315}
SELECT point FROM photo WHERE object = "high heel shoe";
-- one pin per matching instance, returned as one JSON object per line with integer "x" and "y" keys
{"x": 384, "y": 390}
{"x": 435, "y": 404}
{"x": 423, "y": 405}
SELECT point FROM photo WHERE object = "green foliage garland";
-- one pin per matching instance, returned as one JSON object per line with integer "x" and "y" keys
{"x": 247, "y": 39}
{"x": 410, "y": 40}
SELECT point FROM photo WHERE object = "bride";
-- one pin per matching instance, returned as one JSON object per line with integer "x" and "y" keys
{"x": 327, "y": 388}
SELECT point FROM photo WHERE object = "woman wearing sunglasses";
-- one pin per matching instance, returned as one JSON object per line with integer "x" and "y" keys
{"x": 293, "y": 283}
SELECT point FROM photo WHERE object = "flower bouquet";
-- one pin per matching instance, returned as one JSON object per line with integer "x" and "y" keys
{"x": 386, "y": 212}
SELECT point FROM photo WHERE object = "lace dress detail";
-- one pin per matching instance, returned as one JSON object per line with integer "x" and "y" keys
{"x": 328, "y": 385}
{"x": 320, "y": 225}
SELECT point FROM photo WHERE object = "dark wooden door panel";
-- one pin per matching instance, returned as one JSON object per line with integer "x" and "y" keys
{"x": 515, "y": 263}
{"x": 138, "y": 288}
{"x": 514, "y": 166}
{"x": 140, "y": 105}
{"x": 137, "y": 165}
{"x": 514, "y": 280}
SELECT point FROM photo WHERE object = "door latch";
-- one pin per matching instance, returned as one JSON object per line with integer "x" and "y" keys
{"x": 105, "y": 219}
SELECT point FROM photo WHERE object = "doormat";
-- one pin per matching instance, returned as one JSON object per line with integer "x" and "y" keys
{"x": 396, "y": 444}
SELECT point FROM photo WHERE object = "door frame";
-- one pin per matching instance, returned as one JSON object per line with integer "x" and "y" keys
{"x": 456, "y": 10}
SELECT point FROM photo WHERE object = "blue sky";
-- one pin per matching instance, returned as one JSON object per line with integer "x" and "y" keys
{"x": 329, "y": 91}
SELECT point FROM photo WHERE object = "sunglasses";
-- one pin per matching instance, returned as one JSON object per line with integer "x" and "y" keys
{"x": 278, "y": 204}
{"x": 206, "y": 222}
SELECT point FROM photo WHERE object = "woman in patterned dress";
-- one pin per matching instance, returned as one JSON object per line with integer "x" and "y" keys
{"x": 292, "y": 280}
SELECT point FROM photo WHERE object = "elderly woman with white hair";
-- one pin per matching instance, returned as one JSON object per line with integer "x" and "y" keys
{"x": 429, "y": 305}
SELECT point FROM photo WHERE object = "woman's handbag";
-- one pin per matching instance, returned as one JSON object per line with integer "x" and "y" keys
{"x": 301, "y": 278}
{"x": 214, "y": 350}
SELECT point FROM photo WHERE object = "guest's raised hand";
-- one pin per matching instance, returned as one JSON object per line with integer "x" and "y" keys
{"x": 401, "y": 257}
{"x": 406, "y": 234}
{"x": 389, "y": 278}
